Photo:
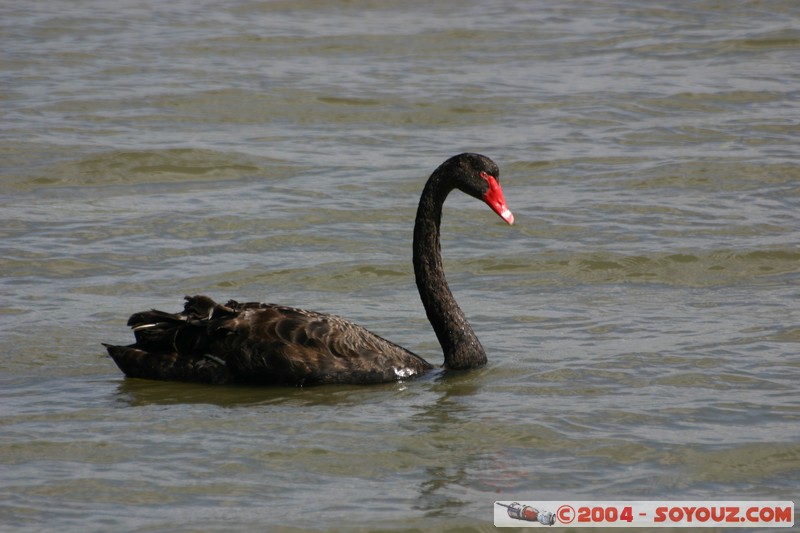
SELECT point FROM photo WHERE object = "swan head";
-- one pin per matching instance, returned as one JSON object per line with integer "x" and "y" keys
{"x": 478, "y": 176}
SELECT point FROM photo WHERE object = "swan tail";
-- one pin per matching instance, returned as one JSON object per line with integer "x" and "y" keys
{"x": 168, "y": 366}
{"x": 174, "y": 346}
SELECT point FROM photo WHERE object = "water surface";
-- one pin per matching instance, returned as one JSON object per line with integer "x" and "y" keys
{"x": 641, "y": 316}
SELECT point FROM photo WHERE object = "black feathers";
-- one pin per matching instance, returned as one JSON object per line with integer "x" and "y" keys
{"x": 259, "y": 343}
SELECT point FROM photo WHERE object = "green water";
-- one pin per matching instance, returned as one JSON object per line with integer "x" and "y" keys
{"x": 640, "y": 317}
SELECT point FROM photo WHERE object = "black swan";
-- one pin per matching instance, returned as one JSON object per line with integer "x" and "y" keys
{"x": 270, "y": 344}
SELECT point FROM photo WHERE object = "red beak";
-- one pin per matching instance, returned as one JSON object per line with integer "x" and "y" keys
{"x": 494, "y": 199}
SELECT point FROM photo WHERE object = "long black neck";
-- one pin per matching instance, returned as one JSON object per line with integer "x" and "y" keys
{"x": 460, "y": 345}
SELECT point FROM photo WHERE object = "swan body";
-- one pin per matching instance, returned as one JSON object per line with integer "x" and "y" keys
{"x": 270, "y": 344}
